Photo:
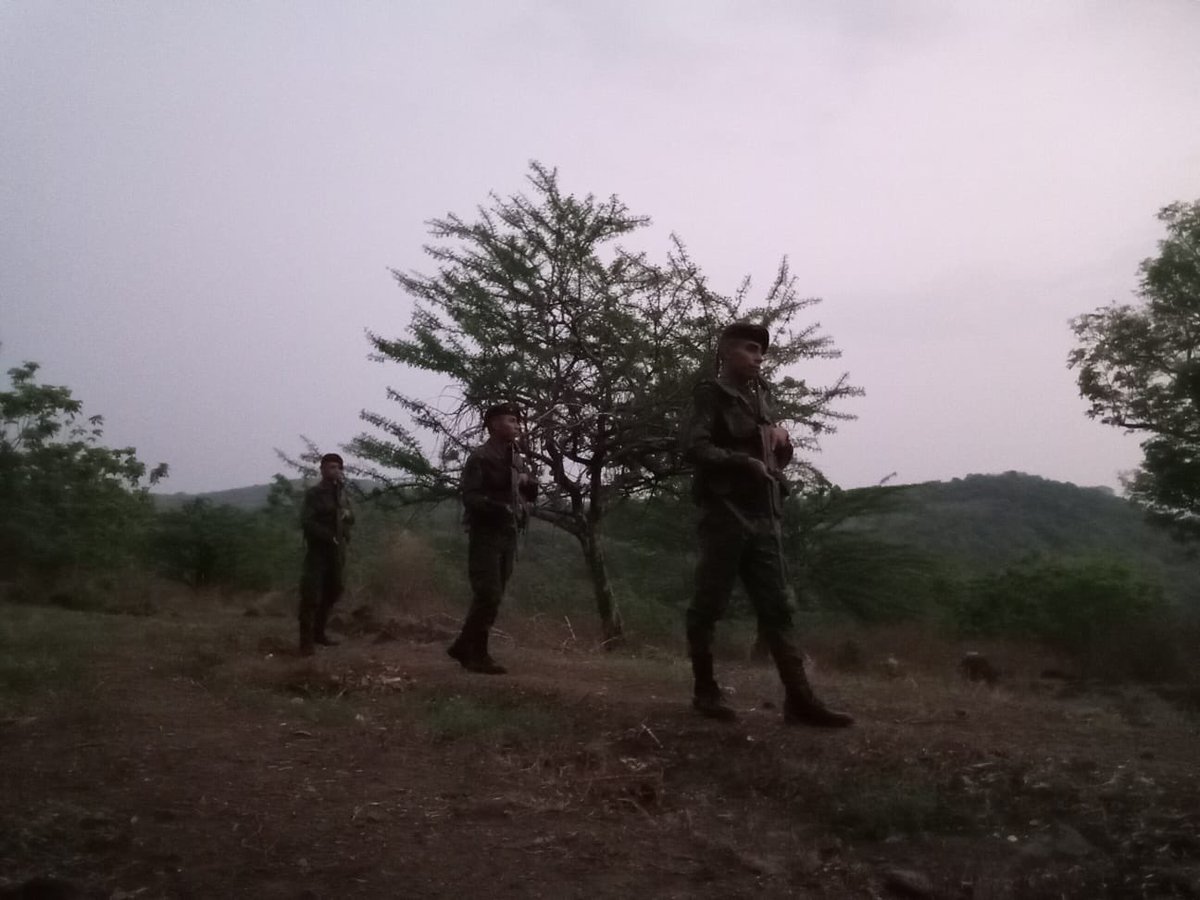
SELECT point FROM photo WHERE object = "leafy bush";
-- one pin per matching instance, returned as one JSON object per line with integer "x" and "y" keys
{"x": 1073, "y": 605}
{"x": 67, "y": 502}
{"x": 207, "y": 545}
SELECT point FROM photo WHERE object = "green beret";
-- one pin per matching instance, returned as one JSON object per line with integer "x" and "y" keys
{"x": 332, "y": 457}
{"x": 748, "y": 331}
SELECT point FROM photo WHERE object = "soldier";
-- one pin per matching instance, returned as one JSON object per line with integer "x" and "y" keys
{"x": 496, "y": 488}
{"x": 739, "y": 453}
{"x": 326, "y": 521}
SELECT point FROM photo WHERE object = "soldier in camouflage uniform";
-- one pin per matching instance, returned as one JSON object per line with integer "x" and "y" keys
{"x": 326, "y": 520}
{"x": 739, "y": 453}
{"x": 496, "y": 488}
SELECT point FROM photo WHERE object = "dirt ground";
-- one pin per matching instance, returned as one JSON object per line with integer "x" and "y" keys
{"x": 194, "y": 756}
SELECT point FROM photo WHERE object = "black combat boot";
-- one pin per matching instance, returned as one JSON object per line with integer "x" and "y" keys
{"x": 460, "y": 650}
{"x": 306, "y": 639}
{"x": 806, "y": 709}
{"x": 319, "y": 635}
{"x": 800, "y": 705}
{"x": 471, "y": 652}
{"x": 482, "y": 661}
{"x": 708, "y": 699}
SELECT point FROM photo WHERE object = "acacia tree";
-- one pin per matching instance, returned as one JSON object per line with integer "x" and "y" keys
{"x": 1139, "y": 369}
{"x": 536, "y": 302}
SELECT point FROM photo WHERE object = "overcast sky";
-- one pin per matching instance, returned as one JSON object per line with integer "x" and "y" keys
{"x": 199, "y": 202}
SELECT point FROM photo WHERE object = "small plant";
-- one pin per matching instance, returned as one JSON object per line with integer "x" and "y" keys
{"x": 40, "y": 651}
{"x": 874, "y": 809}
{"x": 455, "y": 717}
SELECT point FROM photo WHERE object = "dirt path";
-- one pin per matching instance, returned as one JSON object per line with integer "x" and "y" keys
{"x": 195, "y": 760}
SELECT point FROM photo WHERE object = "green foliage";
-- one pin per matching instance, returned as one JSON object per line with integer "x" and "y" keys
{"x": 66, "y": 500}
{"x": 456, "y": 717}
{"x": 206, "y": 545}
{"x": 533, "y": 303}
{"x": 1139, "y": 369}
{"x": 838, "y": 564}
{"x": 1070, "y": 604}
{"x": 878, "y": 807}
{"x": 41, "y": 650}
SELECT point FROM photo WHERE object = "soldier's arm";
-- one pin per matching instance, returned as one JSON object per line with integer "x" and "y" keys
{"x": 313, "y": 529}
{"x": 698, "y": 445}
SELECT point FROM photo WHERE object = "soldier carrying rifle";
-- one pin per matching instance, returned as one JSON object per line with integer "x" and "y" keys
{"x": 496, "y": 490}
{"x": 739, "y": 453}
{"x": 326, "y": 520}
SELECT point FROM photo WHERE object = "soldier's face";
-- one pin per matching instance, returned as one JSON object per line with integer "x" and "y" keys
{"x": 743, "y": 359}
{"x": 331, "y": 471}
{"x": 504, "y": 427}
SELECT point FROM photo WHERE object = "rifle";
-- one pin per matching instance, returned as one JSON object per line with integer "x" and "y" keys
{"x": 337, "y": 512}
{"x": 516, "y": 501}
{"x": 766, "y": 449}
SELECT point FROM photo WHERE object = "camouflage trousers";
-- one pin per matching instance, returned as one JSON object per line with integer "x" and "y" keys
{"x": 732, "y": 548}
{"x": 322, "y": 581}
{"x": 491, "y": 553}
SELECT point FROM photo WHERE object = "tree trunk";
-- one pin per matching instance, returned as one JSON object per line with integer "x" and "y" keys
{"x": 606, "y": 604}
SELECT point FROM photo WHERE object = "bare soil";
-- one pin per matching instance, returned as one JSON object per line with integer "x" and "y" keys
{"x": 196, "y": 757}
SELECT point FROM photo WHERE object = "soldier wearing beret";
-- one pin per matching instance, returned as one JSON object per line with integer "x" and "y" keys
{"x": 326, "y": 520}
{"x": 496, "y": 490}
{"x": 739, "y": 453}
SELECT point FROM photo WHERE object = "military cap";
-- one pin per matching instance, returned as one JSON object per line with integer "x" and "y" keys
{"x": 748, "y": 331}
{"x": 332, "y": 457}
{"x": 501, "y": 409}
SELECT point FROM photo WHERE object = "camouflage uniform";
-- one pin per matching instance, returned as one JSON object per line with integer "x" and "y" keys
{"x": 494, "y": 511}
{"x": 326, "y": 520}
{"x": 739, "y": 532}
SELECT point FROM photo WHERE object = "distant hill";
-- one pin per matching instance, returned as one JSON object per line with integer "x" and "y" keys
{"x": 988, "y": 521}
{"x": 251, "y": 497}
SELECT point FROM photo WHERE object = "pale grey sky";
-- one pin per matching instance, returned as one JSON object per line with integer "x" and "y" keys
{"x": 199, "y": 201}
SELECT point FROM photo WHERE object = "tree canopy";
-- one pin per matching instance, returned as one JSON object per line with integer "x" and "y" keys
{"x": 1139, "y": 369}
{"x": 66, "y": 500}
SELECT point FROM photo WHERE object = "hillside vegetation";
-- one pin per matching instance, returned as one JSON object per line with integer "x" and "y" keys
{"x": 974, "y": 524}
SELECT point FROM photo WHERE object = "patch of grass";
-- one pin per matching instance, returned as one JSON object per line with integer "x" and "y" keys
{"x": 333, "y": 711}
{"x": 197, "y": 664}
{"x": 43, "y": 650}
{"x": 454, "y": 717}
{"x": 876, "y": 808}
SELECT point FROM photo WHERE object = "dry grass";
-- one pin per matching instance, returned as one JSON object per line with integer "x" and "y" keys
{"x": 585, "y": 759}
{"x": 404, "y": 576}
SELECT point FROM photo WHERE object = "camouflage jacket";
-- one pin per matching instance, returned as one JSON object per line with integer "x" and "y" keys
{"x": 723, "y": 434}
{"x": 326, "y": 517}
{"x": 492, "y": 493}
